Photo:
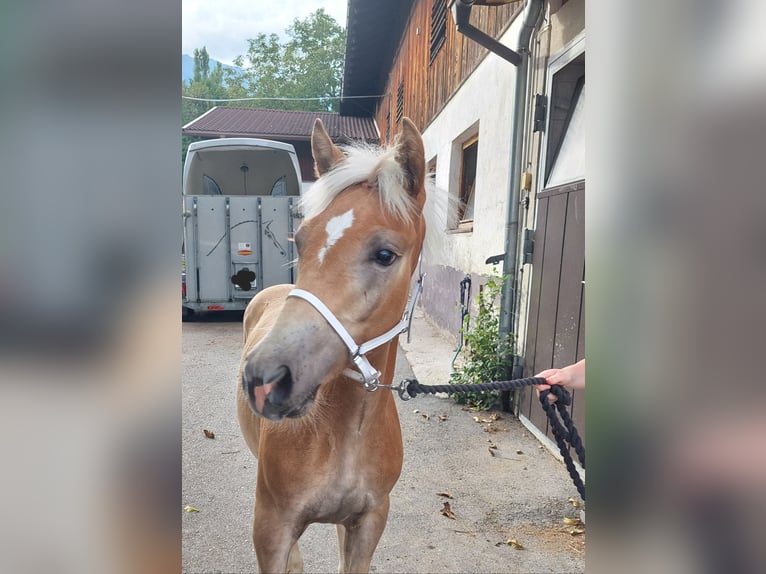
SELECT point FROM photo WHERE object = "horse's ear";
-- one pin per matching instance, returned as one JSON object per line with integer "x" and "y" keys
{"x": 326, "y": 154}
{"x": 411, "y": 156}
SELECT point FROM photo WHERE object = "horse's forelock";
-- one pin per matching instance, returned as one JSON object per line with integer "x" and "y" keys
{"x": 363, "y": 164}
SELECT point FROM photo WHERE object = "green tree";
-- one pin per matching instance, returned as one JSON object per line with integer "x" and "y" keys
{"x": 308, "y": 65}
{"x": 205, "y": 83}
{"x": 201, "y": 65}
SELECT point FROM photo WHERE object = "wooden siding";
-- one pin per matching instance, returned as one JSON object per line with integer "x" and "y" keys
{"x": 556, "y": 325}
{"x": 428, "y": 87}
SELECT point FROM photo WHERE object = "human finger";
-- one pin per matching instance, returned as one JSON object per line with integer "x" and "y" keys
{"x": 546, "y": 373}
{"x": 539, "y": 388}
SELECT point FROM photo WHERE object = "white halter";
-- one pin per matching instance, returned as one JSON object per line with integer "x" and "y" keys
{"x": 370, "y": 376}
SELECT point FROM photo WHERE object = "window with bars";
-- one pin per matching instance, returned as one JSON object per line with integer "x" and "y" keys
{"x": 438, "y": 27}
{"x": 400, "y": 102}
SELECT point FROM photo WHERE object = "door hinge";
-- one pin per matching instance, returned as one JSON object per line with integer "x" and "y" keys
{"x": 529, "y": 245}
{"x": 541, "y": 111}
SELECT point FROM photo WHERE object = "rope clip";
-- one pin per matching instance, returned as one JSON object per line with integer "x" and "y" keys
{"x": 403, "y": 390}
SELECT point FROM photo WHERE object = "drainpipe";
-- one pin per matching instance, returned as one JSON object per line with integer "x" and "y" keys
{"x": 461, "y": 11}
{"x": 532, "y": 12}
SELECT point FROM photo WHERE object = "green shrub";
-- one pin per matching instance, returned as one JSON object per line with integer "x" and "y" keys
{"x": 487, "y": 356}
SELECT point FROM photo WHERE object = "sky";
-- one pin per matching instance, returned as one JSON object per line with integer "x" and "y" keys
{"x": 224, "y": 26}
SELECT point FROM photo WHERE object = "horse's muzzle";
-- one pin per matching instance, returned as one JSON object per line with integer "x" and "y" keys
{"x": 269, "y": 393}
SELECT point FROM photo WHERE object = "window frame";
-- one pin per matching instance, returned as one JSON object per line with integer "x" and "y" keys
{"x": 566, "y": 56}
{"x": 461, "y": 222}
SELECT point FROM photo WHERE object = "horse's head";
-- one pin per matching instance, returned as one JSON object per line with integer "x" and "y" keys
{"x": 357, "y": 250}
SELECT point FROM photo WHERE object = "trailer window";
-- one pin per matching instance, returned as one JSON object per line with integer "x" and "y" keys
{"x": 280, "y": 187}
{"x": 211, "y": 187}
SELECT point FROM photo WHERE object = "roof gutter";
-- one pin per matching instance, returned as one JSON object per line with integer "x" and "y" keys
{"x": 461, "y": 10}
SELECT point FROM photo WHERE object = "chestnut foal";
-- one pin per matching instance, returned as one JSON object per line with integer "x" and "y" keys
{"x": 328, "y": 449}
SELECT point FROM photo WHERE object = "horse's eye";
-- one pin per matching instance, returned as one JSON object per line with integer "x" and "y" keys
{"x": 385, "y": 257}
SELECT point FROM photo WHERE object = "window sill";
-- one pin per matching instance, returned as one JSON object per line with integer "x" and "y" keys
{"x": 462, "y": 227}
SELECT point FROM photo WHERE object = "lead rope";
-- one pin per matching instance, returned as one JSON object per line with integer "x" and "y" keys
{"x": 563, "y": 428}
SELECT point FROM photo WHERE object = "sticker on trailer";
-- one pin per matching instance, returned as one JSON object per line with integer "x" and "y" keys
{"x": 245, "y": 249}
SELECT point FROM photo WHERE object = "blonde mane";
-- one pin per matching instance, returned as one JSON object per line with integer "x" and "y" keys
{"x": 364, "y": 163}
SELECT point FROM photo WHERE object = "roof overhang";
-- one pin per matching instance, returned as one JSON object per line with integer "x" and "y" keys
{"x": 373, "y": 32}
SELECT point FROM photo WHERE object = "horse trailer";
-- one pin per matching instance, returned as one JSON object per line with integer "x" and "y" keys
{"x": 239, "y": 202}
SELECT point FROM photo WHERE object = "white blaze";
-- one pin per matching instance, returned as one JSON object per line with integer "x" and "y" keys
{"x": 335, "y": 229}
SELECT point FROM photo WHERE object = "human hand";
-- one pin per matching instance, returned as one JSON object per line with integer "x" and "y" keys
{"x": 572, "y": 377}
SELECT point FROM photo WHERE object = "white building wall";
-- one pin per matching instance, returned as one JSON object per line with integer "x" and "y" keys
{"x": 485, "y": 100}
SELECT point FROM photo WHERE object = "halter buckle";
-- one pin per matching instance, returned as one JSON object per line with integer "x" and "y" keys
{"x": 370, "y": 375}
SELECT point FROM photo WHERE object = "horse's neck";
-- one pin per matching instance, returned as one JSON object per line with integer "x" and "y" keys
{"x": 346, "y": 399}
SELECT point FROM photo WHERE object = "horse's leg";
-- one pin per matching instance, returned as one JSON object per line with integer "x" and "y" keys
{"x": 362, "y": 537}
{"x": 341, "y": 548}
{"x": 295, "y": 560}
{"x": 276, "y": 544}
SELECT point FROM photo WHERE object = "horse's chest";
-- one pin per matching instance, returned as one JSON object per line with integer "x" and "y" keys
{"x": 337, "y": 501}
{"x": 346, "y": 488}
{"x": 336, "y": 479}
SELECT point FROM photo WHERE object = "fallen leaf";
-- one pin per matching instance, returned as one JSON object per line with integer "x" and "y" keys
{"x": 519, "y": 452}
{"x": 444, "y": 494}
{"x": 476, "y": 419}
{"x": 513, "y": 543}
{"x": 442, "y": 418}
{"x": 416, "y": 411}
{"x": 447, "y": 511}
{"x": 577, "y": 531}
{"x": 208, "y": 434}
{"x": 572, "y": 521}
{"x": 491, "y": 451}
{"x": 189, "y": 508}
{"x": 494, "y": 417}
{"x": 491, "y": 444}
{"x": 574, "y": 502}
{"x": 426, "y": 416}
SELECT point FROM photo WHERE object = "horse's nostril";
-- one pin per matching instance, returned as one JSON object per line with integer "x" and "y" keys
{"x": 250, "y": 383}
{"x": 251, "y": 378}
{"x": 281, "y": 382}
